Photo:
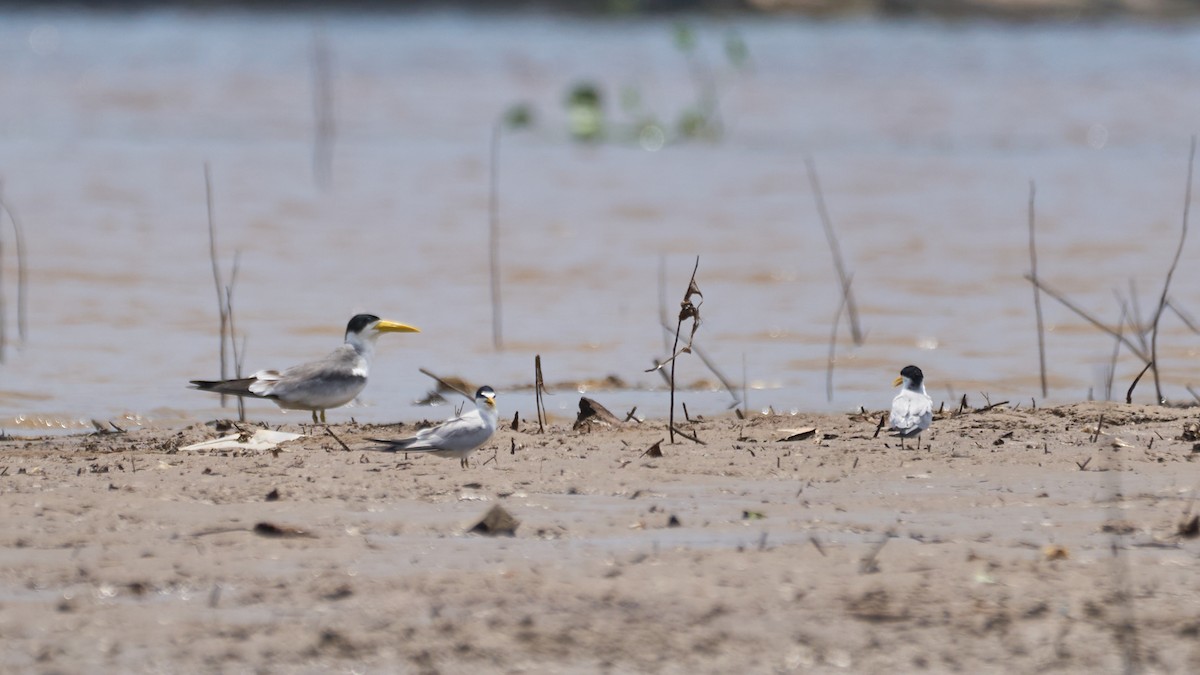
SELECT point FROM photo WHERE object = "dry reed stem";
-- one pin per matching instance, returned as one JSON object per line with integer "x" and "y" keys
{"x": 832, "y": 359}
{"x": 446, "y": 383}
{"x": 335, "y": 437}
{"x": 1129, "y": 392}
{"x": 1112, "y": 364}
{"x": 539, "y": 385}
{"x": 1087, "y": 317}
{"x": 691, "y": 437}
{"x": 238, "y": 354}
{"x": 687, "y": 310}
{"x": 494, "y": 235}
{"x": 835, "y": 250}
{"x": 745, "y": 393}
{"x": 708, "y": 363}
{"x": 1183, "y": 316}
{"x": 1037, "y": 294}
{"x": 323, "y": 104}
{"x": 1162, "y": 300}
{"x": 1135, "y": 317}
{"x": 216, "y": 270}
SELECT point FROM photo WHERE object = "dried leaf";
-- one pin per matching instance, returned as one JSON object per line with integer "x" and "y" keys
{"x": 802, "y": 434}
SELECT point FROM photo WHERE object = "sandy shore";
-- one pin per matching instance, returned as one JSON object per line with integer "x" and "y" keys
{"x": 1011, "y": 541}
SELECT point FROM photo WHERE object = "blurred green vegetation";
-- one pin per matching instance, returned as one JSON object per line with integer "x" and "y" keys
{"x": 589, "y": 121}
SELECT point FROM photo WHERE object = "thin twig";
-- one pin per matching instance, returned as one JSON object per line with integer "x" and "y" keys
{"x": 688, "y": 436}
{"x": 494, "y": 235}
{"x": 538, "y": 386}
{"x": 239, "y": 354}
{"x": 216, "y": 270}
{"x": 745, "y": 394}
{"x": 445, "y": 384}
{"x": 322, "y": 110}
{"x": 1138, "y": 326}
{"x": 1087, "y": 317}
{"x": 335, "y": 437}
{"x": 1037, "y": 294}
{"x": 835, "y": 249}
{"x": 1162, "y": 300}
{"x": 990, "y": 406}
{"x": 1112, "y": 364}
{"x": 675, "y": 351}
{"x": 708, "y": 363}
{"x": 829, "y": 363}
{"x": 1129, "y": 392}
{"x": 1183, "y": 316}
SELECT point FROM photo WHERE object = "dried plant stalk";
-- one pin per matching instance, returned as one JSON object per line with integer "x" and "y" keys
{"x": 216, "y": 270}
{"x": 1162, "y": 300}
{"x": 323, "y": 105}
{"x": 494, "y": 236}
{"x": 1037, "y": 293}
{"x": 539, "y": 385}
{"x": 687, "y": 310}
{"x": 835, "y": 250}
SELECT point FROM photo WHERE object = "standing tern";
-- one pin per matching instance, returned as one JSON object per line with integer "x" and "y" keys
{"x": 329, "y": 383}
{"x": 457, "y": 437}
{"x": 912, "y": 409}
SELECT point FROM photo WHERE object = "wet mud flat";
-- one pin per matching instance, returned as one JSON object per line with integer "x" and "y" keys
{"x": 1009, "y": 541}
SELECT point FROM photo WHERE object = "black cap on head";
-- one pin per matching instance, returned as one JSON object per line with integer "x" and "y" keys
{"x": 913, "y": 373}
{"x": 484, "y": 391}
{"x": 360, "y": 322}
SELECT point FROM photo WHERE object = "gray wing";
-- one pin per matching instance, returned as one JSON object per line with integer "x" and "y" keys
{"x": 331, "y": 382}
{"x": 459, "y": 434}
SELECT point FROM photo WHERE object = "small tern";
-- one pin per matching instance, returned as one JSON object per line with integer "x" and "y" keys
{"x": 912, "y": 409}
{"x": 331, "y": 382}
{"x": 456, "y": 437}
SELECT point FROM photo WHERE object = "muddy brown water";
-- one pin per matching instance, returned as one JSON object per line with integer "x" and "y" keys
{"x": 926, "y": 136}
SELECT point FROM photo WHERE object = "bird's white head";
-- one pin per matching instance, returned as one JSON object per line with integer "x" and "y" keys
{"x": 485, "y": 398}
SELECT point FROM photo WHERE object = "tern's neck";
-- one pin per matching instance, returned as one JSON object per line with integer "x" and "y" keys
{"x": 488, "y": 412}
{"x": 364, "y": 346}
{"x": 918, "y": 387}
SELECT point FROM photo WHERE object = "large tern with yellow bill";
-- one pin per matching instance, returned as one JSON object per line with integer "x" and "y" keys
{"x": 912, "y": 409}
{"x": 331, "y": 382}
